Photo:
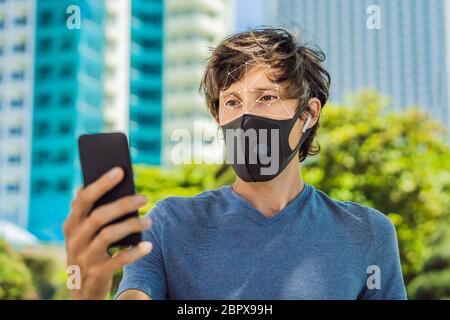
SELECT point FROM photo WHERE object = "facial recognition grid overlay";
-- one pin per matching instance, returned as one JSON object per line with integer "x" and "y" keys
{"x": 256, "y": 92}
{"x": 249, "y": 98}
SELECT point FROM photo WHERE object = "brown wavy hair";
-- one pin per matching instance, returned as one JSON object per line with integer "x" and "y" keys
{"x": 297, "y": 64}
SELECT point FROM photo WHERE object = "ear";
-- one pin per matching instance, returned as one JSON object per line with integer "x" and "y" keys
{"x": 314, "y": 108}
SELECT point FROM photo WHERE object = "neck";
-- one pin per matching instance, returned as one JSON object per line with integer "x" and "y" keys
{"x": 272, "y": 196}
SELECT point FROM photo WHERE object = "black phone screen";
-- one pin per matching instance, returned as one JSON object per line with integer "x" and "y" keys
{"x": 98, "y": 154}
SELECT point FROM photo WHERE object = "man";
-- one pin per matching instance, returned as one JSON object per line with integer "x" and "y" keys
{"x": 270, "y": 235}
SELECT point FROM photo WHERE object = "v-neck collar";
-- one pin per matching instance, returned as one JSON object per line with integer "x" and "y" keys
{"x": 282, "y": 214}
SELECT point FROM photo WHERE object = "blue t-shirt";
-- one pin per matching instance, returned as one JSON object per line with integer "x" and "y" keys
{"x": 216, "y": 245}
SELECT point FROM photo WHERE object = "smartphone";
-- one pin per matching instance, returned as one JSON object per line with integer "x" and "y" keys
{"x": 98, "y": 154}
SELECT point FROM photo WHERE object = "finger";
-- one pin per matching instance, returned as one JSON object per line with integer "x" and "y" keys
{"x": 116, "y": 232}
{"x": 129, "y": 256}
{"x": 91, "y": 193}
{"x": 107, "y": 213}
{"x": 72, "y": 220}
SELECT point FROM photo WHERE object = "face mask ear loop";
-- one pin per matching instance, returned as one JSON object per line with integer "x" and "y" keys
{"x": 304, "y": 129}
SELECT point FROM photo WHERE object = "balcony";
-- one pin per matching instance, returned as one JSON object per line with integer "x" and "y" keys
{"x": 184, "y": 75}
{"x": 196, "y": 24}
{"x": 184, "y": 102}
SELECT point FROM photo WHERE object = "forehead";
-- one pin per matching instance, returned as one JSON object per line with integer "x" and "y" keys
{"x": 253, "y": 76}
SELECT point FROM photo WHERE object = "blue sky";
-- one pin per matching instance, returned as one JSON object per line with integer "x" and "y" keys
{"x": 248, "y": 13}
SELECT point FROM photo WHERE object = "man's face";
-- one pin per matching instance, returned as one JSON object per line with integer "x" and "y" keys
{"x": 255, "y": 94}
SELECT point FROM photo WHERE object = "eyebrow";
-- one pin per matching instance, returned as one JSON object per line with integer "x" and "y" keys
{"x": 280, "y": 89}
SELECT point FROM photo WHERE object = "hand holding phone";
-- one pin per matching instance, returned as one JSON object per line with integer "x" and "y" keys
{"x": 97, "y": 221}
{"x": 100, "y": 153}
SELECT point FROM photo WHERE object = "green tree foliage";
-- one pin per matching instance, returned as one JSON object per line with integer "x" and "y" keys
{"x": 42, "y": 270}
{"x": 189, "y": 180}
{"x": 31, "y": 274}
{"x": 15, "y": 278}
{"x": 434, "y": 280}
{"x": 394, "y": 161}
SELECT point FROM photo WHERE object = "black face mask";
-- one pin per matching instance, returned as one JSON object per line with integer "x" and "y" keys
{"x": 258, "y": 147}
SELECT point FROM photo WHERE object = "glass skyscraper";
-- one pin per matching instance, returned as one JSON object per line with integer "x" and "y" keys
{"x": 58, "y": 80}
{"x": 146, "y": 78}
{"x": 68, "y": 99}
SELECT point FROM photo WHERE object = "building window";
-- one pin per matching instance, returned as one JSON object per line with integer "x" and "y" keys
{"x": 14, "y": 159}
{"x": 146, "y": 119}
{"x": 20, "y": 20}
{"x": 43, "y": 100}
{"x": 44, "y": 72}
{"x": 62, "y": 185}
{"x": 41, "y": 156}
{"x": 45, "y": 44}
{"x": 64, "y": 127}
{"x": 148, "y": 68}
{"x": 13, "y": 187}
{"x": 18, "y": 75}
{"x": 40, "y": 186}
{"x": 149, "y": 43}
{"x": 66, "y": 44}
{"x": 42, "y": 129}
{"x": 16, "y": 103}
{"x": 147, "y": 145}
{"x": 19, "y": 47}
{"x": 45, "y": 17}
{"x": 66, "y": 70}
{"x": 154, "y": 19}
{"x": 62, "y": 156}
{"x": 147, "y": 94}
{"x": 15, "y": 131}
{"x": 65, "y": 99}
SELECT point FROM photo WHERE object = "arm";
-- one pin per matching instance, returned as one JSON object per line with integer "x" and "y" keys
{"x": 133, "y": 294}
{"x": 384, "y": 254}
{"x": 146, "y": 277}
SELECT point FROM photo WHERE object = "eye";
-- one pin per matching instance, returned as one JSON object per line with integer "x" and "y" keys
{"x": 268, "y": 97}
{"x": 232, "y": 103}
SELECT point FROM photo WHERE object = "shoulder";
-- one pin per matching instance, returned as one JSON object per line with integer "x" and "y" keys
{"x": 357, "y": 220}
{"x": 190, "y": 207}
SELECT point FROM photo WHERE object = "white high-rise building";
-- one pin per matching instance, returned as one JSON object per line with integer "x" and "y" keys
{"x": 191, "y": 27}
{"x": 117, "y": 65}
{"x": 16, "y": 101}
